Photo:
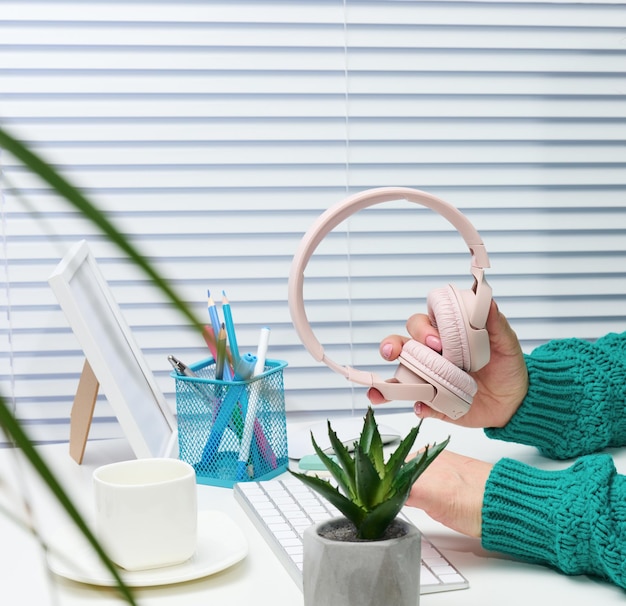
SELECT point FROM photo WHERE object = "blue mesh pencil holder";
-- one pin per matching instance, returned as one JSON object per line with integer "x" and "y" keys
{"x": 232, "y": 431}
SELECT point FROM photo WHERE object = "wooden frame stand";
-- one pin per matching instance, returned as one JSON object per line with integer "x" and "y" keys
{"x": 82, "y": 412}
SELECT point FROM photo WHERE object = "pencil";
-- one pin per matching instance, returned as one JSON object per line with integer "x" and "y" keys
{"x": 213, "y": 315}
{"x": 211, "y": 341}
{"x": 221, "y": 353}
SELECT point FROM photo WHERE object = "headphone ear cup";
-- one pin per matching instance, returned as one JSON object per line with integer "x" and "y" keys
{"x": 442, "y": 372}
{"x": 445, "y": 315}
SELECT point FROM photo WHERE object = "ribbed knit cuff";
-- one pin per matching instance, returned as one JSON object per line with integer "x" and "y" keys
{"x": 546, "y": 410}
{"x": 575, "y": 401}
{"x": 515, "y": 516}
{"x": 549, "y": 517}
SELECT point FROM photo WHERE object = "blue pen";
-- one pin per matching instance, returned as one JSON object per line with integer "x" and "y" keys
{"x": 244, "y": 371}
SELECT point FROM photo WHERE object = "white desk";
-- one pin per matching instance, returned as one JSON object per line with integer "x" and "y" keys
{"x": 260, "y": 579}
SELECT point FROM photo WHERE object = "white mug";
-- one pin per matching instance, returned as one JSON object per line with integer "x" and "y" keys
{"x": 146, "y": 512}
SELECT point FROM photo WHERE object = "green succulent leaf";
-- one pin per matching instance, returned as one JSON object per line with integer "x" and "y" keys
{"x": 345, "y": 479}
{"x": 369, "y": 429}
{"x": 345, "y": 505}
{"x": 414, "y": 468}
{"x": 374, "y": 492}
{"x": 367, "y": 479}
{"x": 342, "y": 454}
{"x": 376, "y": 521}
{"x": 399, "y": 456}
{"x": 371, "y": 442}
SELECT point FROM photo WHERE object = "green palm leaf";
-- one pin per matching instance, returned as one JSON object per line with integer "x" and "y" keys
{"x": 76, "y": 198}
{"x": 15, "y": 432}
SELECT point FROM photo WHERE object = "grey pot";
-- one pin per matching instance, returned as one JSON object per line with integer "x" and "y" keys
{"x": 361, "y": 573}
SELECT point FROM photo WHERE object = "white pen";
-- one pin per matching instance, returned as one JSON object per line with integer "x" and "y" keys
{"x": 261, "y": 351}
{"x": 253, "y": 404}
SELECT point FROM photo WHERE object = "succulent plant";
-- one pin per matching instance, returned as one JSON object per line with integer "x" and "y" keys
{"x": 370, "y": 491}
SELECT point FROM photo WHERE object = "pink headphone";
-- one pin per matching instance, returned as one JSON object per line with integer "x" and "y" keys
{"x": 423, "y": 375}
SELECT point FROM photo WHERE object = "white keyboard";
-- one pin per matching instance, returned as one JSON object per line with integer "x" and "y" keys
{"x": 284, "y": 507}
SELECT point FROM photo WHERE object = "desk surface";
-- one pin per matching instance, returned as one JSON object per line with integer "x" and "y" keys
{"x": 260, "y": 578}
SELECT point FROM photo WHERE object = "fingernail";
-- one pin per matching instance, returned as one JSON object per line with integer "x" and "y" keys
{"x": 417, "y": 408}
{"x": 386, "y": 350}
{"x": 433, "y": 342}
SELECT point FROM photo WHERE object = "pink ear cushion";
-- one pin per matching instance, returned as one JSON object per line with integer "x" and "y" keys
{"x": 442, "y": 371}
{"x": 445, "y": 316}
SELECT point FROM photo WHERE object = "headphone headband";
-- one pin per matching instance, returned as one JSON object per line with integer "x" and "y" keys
{"x": 332, "y": 217}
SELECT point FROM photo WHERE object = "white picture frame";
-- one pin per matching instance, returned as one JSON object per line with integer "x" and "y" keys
{"x": 117, "y": 362}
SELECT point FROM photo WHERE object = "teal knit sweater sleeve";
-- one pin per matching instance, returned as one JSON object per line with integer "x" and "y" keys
{"x": 573, "y": 520}
{"x": 576, "y": 400}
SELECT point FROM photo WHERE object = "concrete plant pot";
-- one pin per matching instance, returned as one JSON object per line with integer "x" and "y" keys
{"x": 341, "y": 571}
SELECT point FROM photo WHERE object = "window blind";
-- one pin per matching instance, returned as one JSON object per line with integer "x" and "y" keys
{"x": 214, "y": 134}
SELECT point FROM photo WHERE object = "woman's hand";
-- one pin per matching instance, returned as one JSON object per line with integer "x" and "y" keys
{"x": 502, "y": 383}
{"x": 451, "y": 491}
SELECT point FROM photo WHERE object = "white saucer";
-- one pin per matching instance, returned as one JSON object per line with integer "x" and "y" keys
{"x": 220, "y": 545}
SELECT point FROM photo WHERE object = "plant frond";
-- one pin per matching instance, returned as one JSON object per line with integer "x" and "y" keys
{"x": 16, "y": 433}
{"x": 76, "y": 198}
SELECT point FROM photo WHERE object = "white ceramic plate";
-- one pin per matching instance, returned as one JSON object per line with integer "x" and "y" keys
{"x": 220, "y": 545}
